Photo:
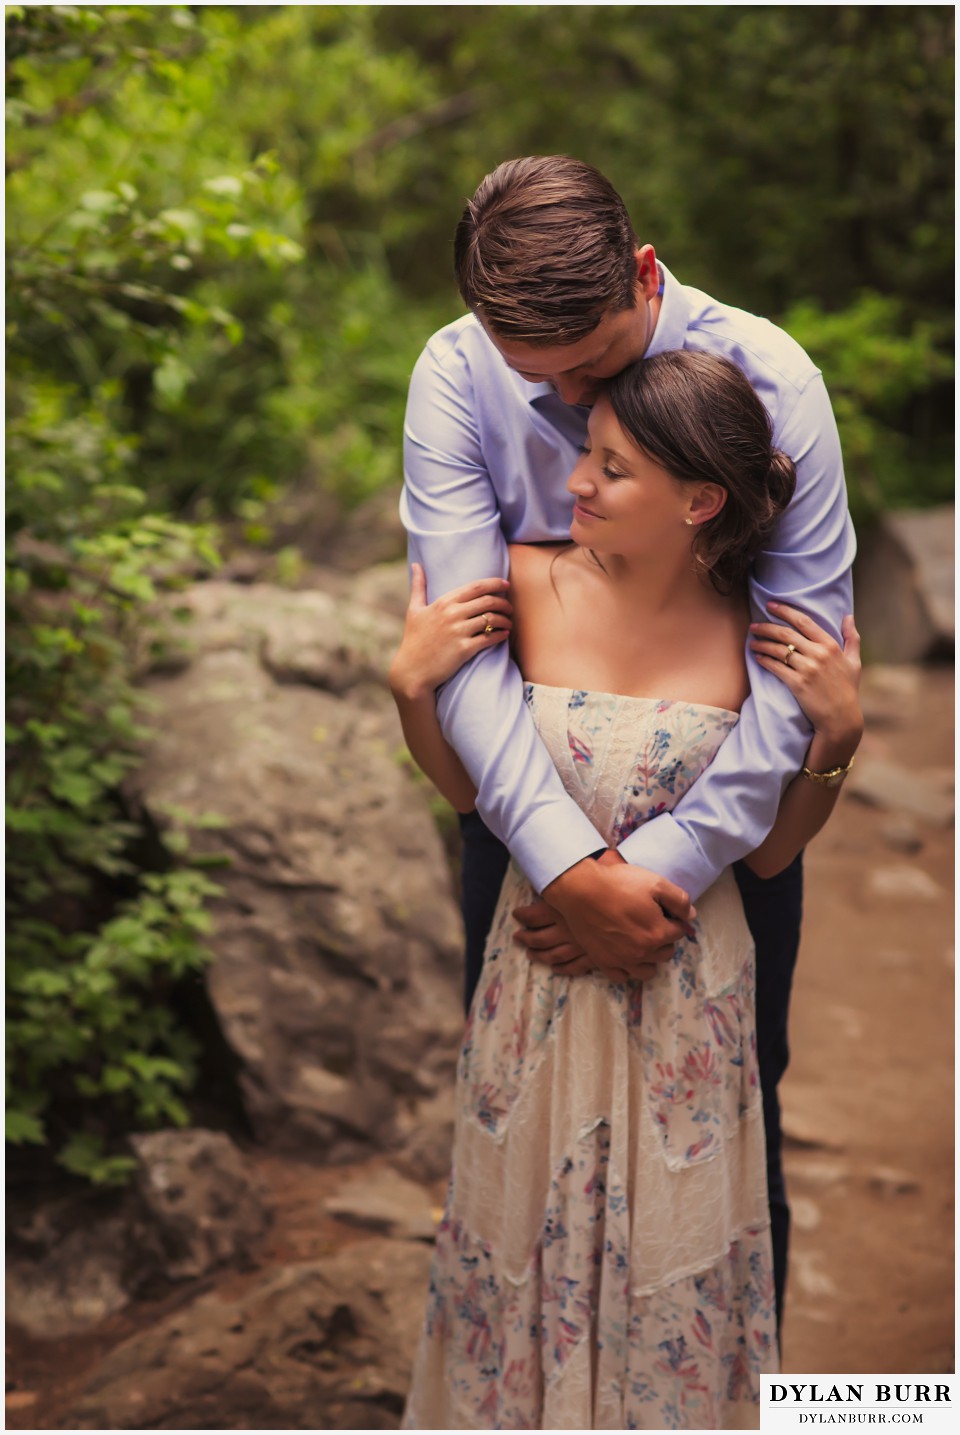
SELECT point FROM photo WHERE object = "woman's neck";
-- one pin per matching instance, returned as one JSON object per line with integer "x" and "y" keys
{"x": 667, "y": 583}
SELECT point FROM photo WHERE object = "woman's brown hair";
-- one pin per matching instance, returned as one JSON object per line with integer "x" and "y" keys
{"x": 698, "y": 417}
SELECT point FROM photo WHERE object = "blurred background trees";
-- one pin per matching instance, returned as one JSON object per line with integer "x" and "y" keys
{"x": 229, "y": 233}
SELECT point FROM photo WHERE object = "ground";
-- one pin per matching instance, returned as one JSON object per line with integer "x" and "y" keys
{"x": 868, "y": 1098}
{"x": 868, "y": 1103}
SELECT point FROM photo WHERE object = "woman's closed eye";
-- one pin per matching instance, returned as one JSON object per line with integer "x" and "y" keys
{"x": 606, "y": 469}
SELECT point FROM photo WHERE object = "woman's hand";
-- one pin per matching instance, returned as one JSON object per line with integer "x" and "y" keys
{"x": 438, "y": 638}
{"x": 823, "y": 677}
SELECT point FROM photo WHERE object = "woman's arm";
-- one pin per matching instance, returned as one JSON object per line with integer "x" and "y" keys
{"x": 825, "y": 680}
{"x": 438, "y": 638}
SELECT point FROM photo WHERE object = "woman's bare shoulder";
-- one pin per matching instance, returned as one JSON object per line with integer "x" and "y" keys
{"x": 530, "y": 563}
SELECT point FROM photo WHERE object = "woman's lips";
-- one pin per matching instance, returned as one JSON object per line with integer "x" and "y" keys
{"x": 581, "y": 512}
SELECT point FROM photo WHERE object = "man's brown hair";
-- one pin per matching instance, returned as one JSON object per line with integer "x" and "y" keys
{"x": 545, "y": 250}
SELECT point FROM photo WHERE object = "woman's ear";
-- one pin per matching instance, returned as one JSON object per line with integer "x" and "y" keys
{"x": 706, "y": 502}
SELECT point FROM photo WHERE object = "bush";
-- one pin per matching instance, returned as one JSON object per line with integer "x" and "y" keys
{"x": 875, "y": 360}
{"x": 101, "y": 926}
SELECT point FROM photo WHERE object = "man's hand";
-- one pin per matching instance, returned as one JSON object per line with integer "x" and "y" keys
{"x": 618, "y": 920}
{"x": 547, "y": 939}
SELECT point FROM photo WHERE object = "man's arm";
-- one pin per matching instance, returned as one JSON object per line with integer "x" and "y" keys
{"x": 451, "y": 515}
{"x": 730, "y": 809}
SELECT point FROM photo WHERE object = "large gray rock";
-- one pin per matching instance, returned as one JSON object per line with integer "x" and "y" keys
{"x": 337, "y": 942}
{"x": 194, "y": 1206}
{"x": 880, "y": 783}
{"x": 67, "y": 1274}
{"x": 200, "y": 1199}
{"x": 385, "y": 1201}
{"x": 326, "y": 1345}
{"x": 371, "y": 533}
{"x": 903, "y": 581}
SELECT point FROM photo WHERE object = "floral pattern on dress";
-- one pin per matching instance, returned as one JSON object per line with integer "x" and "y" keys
{"x": 604, "y": 1260}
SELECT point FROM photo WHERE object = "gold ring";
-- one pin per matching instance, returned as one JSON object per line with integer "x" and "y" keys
{"x": 791, "y": 649}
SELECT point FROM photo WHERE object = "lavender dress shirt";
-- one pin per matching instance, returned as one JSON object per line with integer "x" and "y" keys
{"x": 486, "y": 460}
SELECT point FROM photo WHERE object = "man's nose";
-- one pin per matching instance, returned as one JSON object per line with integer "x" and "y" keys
{"x": 570, "y": 390}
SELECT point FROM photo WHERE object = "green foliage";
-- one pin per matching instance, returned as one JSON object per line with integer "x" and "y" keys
{"x": 170, "y": 171}
{"x": 89, "y": 1032}
{"x": 288, "y": 179}
{"x": 97, "y": 941}
{"x": 875, "y": 358}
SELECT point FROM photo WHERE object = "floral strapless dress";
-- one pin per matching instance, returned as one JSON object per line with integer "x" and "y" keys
{"x": 604, "y": 1258}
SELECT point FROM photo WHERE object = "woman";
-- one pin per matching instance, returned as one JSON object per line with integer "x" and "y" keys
{"x": 604, "y": 1258}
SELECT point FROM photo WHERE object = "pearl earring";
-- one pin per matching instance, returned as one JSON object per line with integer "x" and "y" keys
{"x": 688, "y": 520}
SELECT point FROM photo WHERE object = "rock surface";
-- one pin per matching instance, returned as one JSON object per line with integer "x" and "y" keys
{"x": 906, "y": 790}
{"x": 198, "y": 1194}
{"x": 903, "y": 580}
{"x": 71, "y": 1280}
{"x": 903, "y": 883}
{"x": 315, "y": 1346}
{"x": 337, "y": 942}
{"x": 194, "y": 1206}
{"x": 385, "y": 1202}
{"x": 372, "y": 533}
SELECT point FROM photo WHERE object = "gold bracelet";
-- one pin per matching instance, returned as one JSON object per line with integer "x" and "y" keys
{"x": 831, "y": 778}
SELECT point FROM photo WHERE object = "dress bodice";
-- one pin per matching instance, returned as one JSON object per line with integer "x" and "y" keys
{"x": 624, "y": 759}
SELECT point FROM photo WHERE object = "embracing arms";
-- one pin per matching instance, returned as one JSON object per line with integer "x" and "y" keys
{"x": 823, "y": 676}
{"x": 825, "y": 680}
{"x": 438, "y": 638}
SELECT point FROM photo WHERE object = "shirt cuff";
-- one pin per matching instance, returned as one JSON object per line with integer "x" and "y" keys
{"x": 663, "y": 847}
{"x": 554, "y": 839}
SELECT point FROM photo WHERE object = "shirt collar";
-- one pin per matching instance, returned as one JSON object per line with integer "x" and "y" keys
{"x": 673, "y": 319}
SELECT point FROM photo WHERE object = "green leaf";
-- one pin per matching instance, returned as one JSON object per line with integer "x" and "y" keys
{"x": 170, "y": 379}
{"x": 100, "y": 201}
{"x": 225, "y": 184}
{"x": 84, "y": 1155}
{"x": 20, "y": 1128}
{"x": 77, "y": 789}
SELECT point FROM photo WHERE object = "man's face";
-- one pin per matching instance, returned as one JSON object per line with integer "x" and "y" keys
{"x": 576, "y": 371}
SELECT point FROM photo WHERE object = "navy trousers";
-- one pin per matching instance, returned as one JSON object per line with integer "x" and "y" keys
{"x": 773, "y": 908}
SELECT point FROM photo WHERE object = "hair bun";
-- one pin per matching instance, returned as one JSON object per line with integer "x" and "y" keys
{"x": 782, "y": 480}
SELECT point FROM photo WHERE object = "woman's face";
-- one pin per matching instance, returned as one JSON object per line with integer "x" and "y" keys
{"x": 626, "y": 503}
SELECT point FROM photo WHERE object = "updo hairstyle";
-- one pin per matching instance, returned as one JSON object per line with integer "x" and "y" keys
{"x": 698, "y": 417}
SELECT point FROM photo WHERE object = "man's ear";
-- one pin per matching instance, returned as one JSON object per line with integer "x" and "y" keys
{"x": 648, "y": 275}
{"x": 706, "y": 502}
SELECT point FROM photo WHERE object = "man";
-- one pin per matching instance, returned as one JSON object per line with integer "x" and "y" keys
{"x": 562, "y": 297}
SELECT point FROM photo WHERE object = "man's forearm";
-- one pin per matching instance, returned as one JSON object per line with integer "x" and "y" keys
{"x": 519, "y": 792}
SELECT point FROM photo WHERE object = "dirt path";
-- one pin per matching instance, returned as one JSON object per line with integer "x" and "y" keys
{"x": 869, "y": 1095}
{"x": 868, "y": 1106}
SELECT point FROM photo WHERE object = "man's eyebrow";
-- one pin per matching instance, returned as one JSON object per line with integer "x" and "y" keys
{"x": 584, "y": 364}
